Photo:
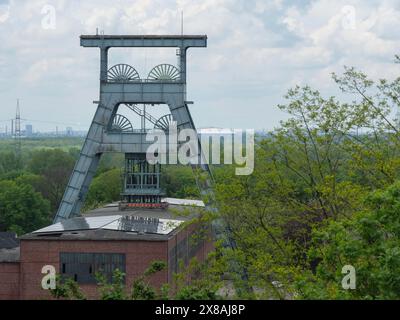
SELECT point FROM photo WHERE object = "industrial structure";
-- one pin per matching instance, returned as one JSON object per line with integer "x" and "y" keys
{"x": 145, "y": 225}
{"x": 101, "y": 241}
{"x": 112, "y": 132}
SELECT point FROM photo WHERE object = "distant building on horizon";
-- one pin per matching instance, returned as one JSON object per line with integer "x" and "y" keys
{"x": 28, "y": 130}
{"x": 69, "y": 132}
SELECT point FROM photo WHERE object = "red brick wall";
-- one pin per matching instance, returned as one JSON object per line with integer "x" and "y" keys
{"x": 203, "y": 250}
{"x": 37, "y": 253}
{"x": 23, "y": 280}
{"x": 9, "y": 280}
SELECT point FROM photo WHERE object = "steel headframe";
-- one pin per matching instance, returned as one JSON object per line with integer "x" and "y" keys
{"x": 121, "y": 85}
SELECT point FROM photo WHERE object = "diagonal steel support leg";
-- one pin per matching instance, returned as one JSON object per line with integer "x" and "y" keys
{"x": 85, "y": 167}
{"x": 202, "y": 172}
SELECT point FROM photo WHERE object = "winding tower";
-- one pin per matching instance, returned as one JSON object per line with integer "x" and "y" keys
{"x": 110, "y": 131}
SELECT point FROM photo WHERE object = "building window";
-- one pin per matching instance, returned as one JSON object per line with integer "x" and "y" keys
{"x": 83, "y": 267}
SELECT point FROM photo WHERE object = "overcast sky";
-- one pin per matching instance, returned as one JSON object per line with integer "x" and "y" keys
{"x": 256, "y": 51}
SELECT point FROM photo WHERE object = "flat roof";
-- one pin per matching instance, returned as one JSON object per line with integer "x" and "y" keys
{"x": 9, "y": 255}
{"x": 8, "y": 240}
{"x": 110, "y": 223}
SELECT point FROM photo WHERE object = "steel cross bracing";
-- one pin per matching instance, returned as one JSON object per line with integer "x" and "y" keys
{"x": 124, "y": 87}
{"x": 142, "y": 113}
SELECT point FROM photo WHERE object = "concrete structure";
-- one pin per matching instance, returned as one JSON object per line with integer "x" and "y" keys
{"x": 128, "y": 240}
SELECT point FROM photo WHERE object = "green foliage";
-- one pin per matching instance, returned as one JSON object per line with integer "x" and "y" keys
{"x": 369, "y": 241}
{"x": 293, "y": 224}
{"x": 199, "y": 281}
{"x": 9, "y": 162}
{"x": 114, "y": 290}
{"x": 46, "y": 161}
{"x": 178, "y": 182}
{"x": 155, "y": 267}
{"x": 164, "y": 291}
{"x": 67, "y": 289}
{"x": 32, "y": 144}
{"x": 22, "y": 209}
{"x": 193, "y": 292}
{"x": 36, "y": 181}
{"x": 105, "y": 188}
{"x": 141, "y": 288}
{"x": 110, "y": 161}
{"x": 313, "y": 171}
{"x": 55, "y": 166}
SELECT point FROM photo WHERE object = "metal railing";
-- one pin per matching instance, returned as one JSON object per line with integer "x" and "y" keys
{"x": 145, "y": 81}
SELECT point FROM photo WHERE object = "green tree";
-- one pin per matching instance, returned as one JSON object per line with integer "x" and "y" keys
{"x": 114, "y": 290}
{"x": 369, "y": 241}
{"x": 141, "y": 287}
{"x": 9, "y": 161}
{"x": 199, "y": 280}
{"x": 55, "y": 165}
{"x": 299, "y": 180}
{"x": 375, "y": 153}
{"x": 105, "y": 188}
{"x": 314, "y": 170}
{"x": 179, "y": 182}
{"x": 22, "y": 209}
{"x": 67, "y": 289}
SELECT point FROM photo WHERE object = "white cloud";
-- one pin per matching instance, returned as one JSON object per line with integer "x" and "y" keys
{"x": 4, "y": 12}
{"x": 256, "y": 50}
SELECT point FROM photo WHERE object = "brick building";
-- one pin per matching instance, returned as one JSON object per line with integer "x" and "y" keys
{"x": 102, "y": 240}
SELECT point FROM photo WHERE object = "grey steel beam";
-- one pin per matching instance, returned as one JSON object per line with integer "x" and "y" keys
{"x": 146, "y": 92}
{"x": 124, "y": 143}
{"x": 144, "y": 87}
{"x": 81, "y": 177}
{"x": 178, "y": 41}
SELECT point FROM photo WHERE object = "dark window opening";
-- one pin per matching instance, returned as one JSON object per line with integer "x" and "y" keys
{"x": 83, "y": 267}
